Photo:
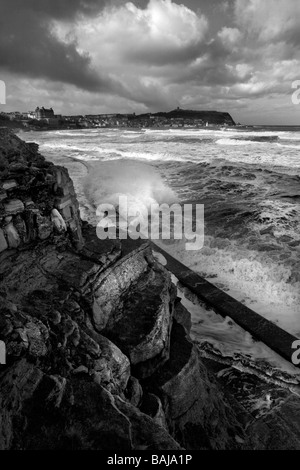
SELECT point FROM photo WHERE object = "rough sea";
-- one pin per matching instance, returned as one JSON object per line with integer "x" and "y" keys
{"x": 249, "y": 183}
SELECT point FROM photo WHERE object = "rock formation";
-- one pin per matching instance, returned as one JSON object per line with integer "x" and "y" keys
{"x": 98, "y": 348}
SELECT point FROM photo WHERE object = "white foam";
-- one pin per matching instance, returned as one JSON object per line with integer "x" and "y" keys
{"x": 248, "y": 276}
{"x": 141, "y": 183}
{"x": 226, "y": 336}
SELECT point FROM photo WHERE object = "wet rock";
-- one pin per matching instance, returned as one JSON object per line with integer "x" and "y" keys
{"x": 179, "y": 381}
{"x": 101, "y": 422}
{"x": 13, "y": 238}
{"x": 14, "y": 206}
{"x": 44, "y": 226}
{"x": 191, "y": 398}
{"x": 57, "y": 388}
{"x": 285, "y": 239}
{"x": 9, "y": 184}
{"x": 112, "y": 369}
{"x": 113, "y": 283}
{"x": 145, "y": 432}
{"x": 17, "y": 385}
{"x": 20, "y": 226}
{"x": 278, "y": 429}
{"x": 3, "y": 242}
{"x": 81, "y": 370}
{"x": 68, "y": 327}
{"x": 58, "y": 221}
{"x": 37, "y": 335}
{"x": 267, "y": 230}
{"x": 91, "y": 346}
{"x": 134, "y": 391}
{"x": 3, "y": 195}
{"x": 55, "y": 317}
{"x": 142, "y": 328}
{"x": 7, "y": 219}
{"x": 151, "y": 405}
{"x": 182, "y": 316}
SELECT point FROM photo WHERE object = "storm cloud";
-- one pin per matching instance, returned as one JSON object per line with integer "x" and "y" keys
{"x": 29, "y": 45}
{"x": 148, "y": 55}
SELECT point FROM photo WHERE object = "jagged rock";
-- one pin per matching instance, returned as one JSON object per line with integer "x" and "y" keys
{"x": 69, "y": 327}
{"x": 29, "y": 216}
{"x": 3, "y": 195}
{"x": 196, "y": 411}
{"x": 102, "y": 252}
{"x": 179, "y": 381}
{"x": 142, "y": 328}
{"x": 58, "y": 221}
{"x": 3, "y": 242}
{"x": 55, "y": 317}
{"x": 134, "y": 391}
{"x": 69, "y": 421}
{"x": 182, "y": 316}
{"x": 277, "y": 430}
{"x": 13, "y": 238}
{"x": 91, "y": 346}
{"x": 57, "y": 390}
{"x": 17, "y": 384}
{"x": 9, "y": 184}
{"x": 146, "y": 434}
{"x": 37, "y": 335}
{"x": 114, "y": 282}
{"x": 7, "y": 219}
{"x": 151, "y": 405}
{"x": 14, "y": 206}
{"x": 81, "y": 370}
{"x": 58, "y": 300}
{"x": 44, "y": 226}
{"x": 20, "y": 226}
{"x": 112, "y": 369}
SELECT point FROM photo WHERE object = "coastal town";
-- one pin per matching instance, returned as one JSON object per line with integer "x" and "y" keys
{"x": 45, "y": 118}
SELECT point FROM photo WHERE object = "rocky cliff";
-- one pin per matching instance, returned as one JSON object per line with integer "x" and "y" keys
{"x": 98, "y": 348}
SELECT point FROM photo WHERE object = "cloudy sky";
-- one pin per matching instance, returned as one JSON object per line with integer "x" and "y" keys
{"x": 98, "y": 56}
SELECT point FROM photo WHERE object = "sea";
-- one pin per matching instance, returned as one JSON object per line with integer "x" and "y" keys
{"x": 247, "y": 178}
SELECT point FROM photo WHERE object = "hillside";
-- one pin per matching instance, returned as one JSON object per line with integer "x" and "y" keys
{"x": 212, "y": 117}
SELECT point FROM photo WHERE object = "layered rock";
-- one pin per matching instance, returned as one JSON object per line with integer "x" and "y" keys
{"x": 32, "y": 192}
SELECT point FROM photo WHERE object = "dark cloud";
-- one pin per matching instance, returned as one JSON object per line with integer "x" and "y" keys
{"x": 29, "y": 47}
{"x": 57, "y": 9}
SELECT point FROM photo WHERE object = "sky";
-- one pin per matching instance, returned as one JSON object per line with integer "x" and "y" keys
{"x": 109, "y": 56}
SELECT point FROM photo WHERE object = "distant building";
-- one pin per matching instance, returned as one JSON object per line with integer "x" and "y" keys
{"x": 43, "y": 113}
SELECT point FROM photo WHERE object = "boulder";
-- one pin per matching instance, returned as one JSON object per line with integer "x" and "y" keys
{"x": 3, "y": 242}
{"x": 58, "y": 221}
{"x": 14, "y": 206}
{"x": 114, "y": 282}
{"x": 9, "y": 184}
{"x": 20, "y": 226}
{"x": 12, "y": 236}
{"x": 141, "y": 325}
{"x": 44, "y": 226}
